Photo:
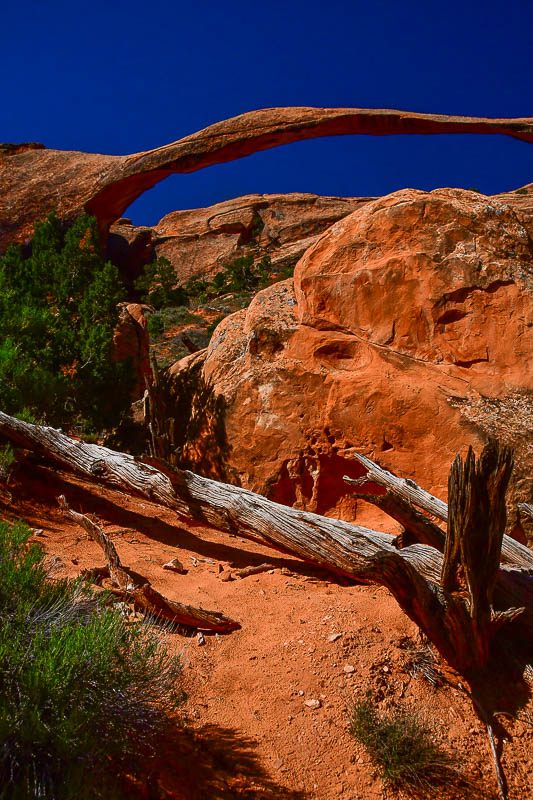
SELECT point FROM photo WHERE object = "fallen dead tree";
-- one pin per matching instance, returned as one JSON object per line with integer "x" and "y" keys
{"x": 143, "y": 595}
{"x": 458, "y": 617}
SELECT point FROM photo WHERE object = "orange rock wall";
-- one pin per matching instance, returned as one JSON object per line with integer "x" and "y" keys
{"x": 201, "y": 241}
{"x": 406, "y": 335}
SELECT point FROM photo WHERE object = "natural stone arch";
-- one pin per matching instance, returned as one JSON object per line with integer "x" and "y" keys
{"x": 35, "y": 181}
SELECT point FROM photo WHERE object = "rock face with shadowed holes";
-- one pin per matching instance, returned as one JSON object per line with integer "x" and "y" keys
{"x": 406, "y": 334}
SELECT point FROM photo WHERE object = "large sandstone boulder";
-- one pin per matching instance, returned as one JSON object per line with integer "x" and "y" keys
{"x": 35, "y": 181}
{"x": 201, "y": 241}
{"x": 406, "y": 335}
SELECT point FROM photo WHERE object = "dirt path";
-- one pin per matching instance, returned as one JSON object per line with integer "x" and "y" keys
{"x": 252, "y": 730}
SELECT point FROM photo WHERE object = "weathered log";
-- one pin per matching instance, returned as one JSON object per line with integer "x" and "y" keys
{"x": 117, "y": 573}
{"x": 418, "y": 527}
{"x": 404, "y": 489}
{"x": 145, "y": 596}
{"x": 153, "y": 601}
{"x": 463, "y": 627}
{"x": 247, "y": 571}
{"x": 412, "y": 574}
{"x": 334, "y": 544}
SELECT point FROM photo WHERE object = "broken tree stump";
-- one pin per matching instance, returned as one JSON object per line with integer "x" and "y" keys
{"x": 403, "y": 493}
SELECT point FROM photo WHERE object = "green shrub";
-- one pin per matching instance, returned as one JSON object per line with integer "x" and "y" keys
{"x": 286, "y": 272}
{"x": 26, "y": 416}
{"x": 257, "y": 227}
{"x": 58, "y": 312}
{"x": 401, "y": 747}
{"x": 158, "y": 285}
{"x": 166, "y": 318}
{"x": 195, "y": 287}
{"x": 242, "y": 276}
{"x": 523, "y": 190}
{"x": 82, "y": 692}
{"x": 245, "y": 275}
{"x": 156, "y": 325}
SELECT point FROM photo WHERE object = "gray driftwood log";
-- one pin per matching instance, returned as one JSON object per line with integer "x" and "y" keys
{"x": 412, "y": 574}
{"x": 143, "y": 595}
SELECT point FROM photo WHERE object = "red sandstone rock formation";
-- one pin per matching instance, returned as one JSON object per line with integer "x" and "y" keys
{"x": 131, "y": 341}
{"x": 34, "y": 182}
{"x": 201, "y": 241}
{"x": 406, "y": 334}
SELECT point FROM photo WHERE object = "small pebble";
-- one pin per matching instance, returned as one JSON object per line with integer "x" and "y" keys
{"x": 348, "y": 669}
{"x": 313, "y": 703}
{"x": 200, "y": 639}
{"x": 334, "y": 636}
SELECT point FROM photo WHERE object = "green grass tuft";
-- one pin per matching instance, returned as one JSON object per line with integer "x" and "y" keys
{"x": 402, "y": 749}
{"x": 82, "y": 692}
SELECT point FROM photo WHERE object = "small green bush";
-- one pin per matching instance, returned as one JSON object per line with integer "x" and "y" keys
{"x": 242, "y": 276}
{"x": 82, "y": 692}
{"x": 156, "y": 325}
{"x": 523, "y": 190}
{"x": 158, "y": 285}
{"x": 26, "y": 416}
{"x": 286, "y": 272}
{"x": 401, "y": 747}
{"x": 167, "y": 318}
{"x": 196, "y": 287}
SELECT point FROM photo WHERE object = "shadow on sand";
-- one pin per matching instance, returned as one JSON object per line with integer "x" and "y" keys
{"x": 41, "y": 485}
{"x": 209, "y": 763}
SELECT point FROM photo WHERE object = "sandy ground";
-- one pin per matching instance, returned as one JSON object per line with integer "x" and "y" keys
{"x": 305, "y": 636}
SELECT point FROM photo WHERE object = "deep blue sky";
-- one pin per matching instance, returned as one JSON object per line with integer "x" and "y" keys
{"x": 124, "y": 76}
